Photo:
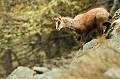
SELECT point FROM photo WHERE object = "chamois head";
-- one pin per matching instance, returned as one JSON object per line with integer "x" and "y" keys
{"x": 62, "y": 22}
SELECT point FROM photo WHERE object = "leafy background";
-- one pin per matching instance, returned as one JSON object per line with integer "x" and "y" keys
{"x": 27, "y": 31}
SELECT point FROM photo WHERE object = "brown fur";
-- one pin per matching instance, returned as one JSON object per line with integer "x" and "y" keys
{"x": 93, "y": 19}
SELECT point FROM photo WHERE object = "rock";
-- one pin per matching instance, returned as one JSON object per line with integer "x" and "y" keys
{"x": 116, "y": 25}
{"x": 116, "y": 14}
{"x": 40, "y": 69}
{"x": 38, "y": 76}
{"x": 113, "y": 72}
{"x": 114, "y": 41}
{"x": 21, "y": 73}
{"x": 90, "y": 44}
{"x": 55, "y": 74}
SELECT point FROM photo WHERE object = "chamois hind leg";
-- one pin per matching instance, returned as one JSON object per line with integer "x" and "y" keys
{"x": 100, "y": 28}
{"x": 107, "y": 24}
{"x": 108, "y": 29}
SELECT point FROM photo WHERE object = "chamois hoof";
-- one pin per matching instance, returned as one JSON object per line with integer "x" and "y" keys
{"x": 76, "y": 47}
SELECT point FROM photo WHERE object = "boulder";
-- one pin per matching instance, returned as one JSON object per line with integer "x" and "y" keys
{"x": 21, "y": 73}
{"x": 113, "y": 73}
{"x": 40, "y": 69}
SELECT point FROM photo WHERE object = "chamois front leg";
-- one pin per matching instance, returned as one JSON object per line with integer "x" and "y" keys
{"x": 83, "y": 41}
{"x": 81, "y": 45}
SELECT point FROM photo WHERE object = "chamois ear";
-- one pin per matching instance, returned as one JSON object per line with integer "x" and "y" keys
{"x": 57, "y": 18}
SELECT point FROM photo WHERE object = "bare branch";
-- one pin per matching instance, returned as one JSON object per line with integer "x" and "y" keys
{"x": 116, "y": 2}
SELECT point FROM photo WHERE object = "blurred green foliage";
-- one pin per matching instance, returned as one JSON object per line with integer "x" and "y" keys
{"x": 27, "y": 28}
{"x": 26, "y": 21}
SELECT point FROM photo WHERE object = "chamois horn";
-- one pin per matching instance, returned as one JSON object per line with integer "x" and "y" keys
{"x": 58, "y": 17}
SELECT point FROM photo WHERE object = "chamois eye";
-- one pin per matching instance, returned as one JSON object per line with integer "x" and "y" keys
{"x": 58, "y": 23}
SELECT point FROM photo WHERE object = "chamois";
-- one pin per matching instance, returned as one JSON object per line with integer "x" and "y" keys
{"x": 84, "y": 23}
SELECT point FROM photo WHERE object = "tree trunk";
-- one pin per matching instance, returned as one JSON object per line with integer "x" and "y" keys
{"x": 8, "y": 66}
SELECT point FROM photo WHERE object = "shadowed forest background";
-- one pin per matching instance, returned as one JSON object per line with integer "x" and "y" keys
{"x": 28, "y": 36}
